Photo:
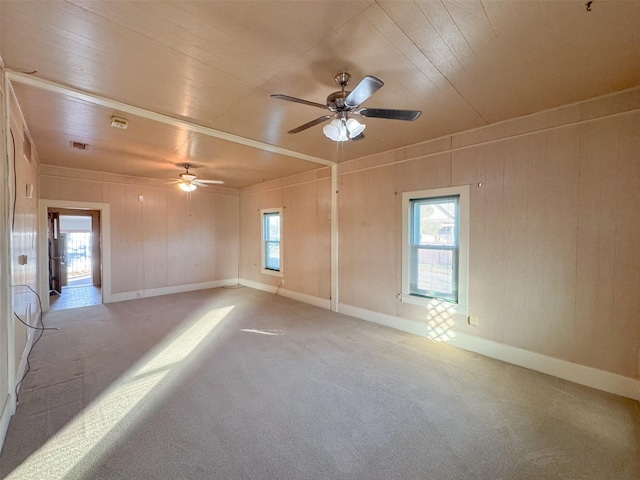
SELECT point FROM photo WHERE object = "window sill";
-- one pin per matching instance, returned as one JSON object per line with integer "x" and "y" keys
{"x": 433, "y": 303}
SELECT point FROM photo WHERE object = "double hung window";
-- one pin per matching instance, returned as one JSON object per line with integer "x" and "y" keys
{"x": 435, "y": 245}
{"x": 271, "y": 241}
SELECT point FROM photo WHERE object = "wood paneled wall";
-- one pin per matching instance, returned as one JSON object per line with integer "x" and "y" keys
{"x": 24, "y": 229}
{"x": 554, "y": 229}
{"x": 554, "y": 263}
{"x": 171, "y": 238}
{"x": 5, "y": 341}
{"x": 306, "y": 236}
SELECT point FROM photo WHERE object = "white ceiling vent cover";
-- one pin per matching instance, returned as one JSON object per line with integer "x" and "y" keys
{"x": 119, "y": 122}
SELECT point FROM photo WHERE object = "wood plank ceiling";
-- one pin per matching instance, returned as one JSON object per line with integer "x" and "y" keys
{"x": 465, "y": 64}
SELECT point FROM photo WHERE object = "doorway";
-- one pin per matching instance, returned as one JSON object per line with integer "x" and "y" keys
{"x": 73, "y": 238}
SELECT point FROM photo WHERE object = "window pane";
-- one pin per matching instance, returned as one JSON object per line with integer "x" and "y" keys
{"x": 272, "y": 256}
{"x": 272, "y": 226}
{"x": 434, "y": 247}
{"x": 436, "y": 276}
{"x": 436, "y": 221}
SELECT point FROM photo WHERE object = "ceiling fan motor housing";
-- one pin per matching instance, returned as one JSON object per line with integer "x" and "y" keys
{"x": 189, "y": 177}
{"x": 336, "y": 101}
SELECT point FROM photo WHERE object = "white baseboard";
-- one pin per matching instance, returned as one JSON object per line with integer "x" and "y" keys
{"x": 300, "y": 297}
{"x": 9, "y": 407}
{"x": 304, "y": 298}
{"x": 258, "y": 286}
{"x": 155, "y": 292}
{"x": 7, "y": 413}
{"x": 581, "y": 374}
{"x": 404, "y": 324}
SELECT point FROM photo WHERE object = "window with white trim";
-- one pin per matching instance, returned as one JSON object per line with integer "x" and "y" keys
{"x": 271, "y": 241}
{"x": 435, "y": 245}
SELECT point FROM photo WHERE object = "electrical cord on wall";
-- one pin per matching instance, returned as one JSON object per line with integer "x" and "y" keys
{"x": 40, "y": 328}
{"x": 31, "y": 326}
{"x": 15, "y": 182}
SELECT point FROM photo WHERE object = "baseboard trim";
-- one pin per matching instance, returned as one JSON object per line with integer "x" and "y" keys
{"x": 258, "y": 286}
{"x": 155, "y": 292}
{"x": 300, "y": 297}
{"x": 9, "y": 407}
{"x": 404, "y": 324}
{"x": 573, "y": 372}
{"x": 5, "y": 419}
{"x": 22, "y": 367}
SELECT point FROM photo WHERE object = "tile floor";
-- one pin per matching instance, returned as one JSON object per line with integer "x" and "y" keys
{"x": 80, "y": 296}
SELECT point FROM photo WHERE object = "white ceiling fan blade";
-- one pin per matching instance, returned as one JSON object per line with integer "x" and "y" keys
{"x": 367, "y": 87}
{"x": 208, "y": 182}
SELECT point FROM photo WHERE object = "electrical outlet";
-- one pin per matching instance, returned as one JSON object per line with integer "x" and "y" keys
{"x": 472, "y": 320}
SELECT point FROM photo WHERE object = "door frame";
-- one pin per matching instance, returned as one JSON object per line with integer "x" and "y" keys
{"x": 43, "y": 251}
{"x": 96, "y": 243}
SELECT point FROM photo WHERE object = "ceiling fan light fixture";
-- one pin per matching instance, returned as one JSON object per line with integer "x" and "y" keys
{"x": 354, "y": 127}
{"x": 187, "y": 186}
{"x": 332, "y": 130}
{"x": 343, "y": 134}
{"x": 336, "y": 130}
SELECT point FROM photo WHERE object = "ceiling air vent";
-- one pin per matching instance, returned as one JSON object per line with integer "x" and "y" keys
{"x": 79, "y": 145}
{"x": 119, "y": 122}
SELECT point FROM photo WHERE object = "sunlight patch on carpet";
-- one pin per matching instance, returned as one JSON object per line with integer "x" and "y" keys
{"x": 94, "y": 432}
{"x": 261, "y": 332}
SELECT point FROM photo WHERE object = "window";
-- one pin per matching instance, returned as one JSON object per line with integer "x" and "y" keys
{"x": 435, "y": 245}
{"x": 271, "y": 243}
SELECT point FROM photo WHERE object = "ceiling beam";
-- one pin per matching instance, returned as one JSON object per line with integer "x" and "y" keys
{"x": 49, "y": 86}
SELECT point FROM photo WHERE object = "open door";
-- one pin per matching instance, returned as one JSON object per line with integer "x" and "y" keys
{"x": 75, "y": 257}
{"x": 57, "y": 254}
{"x": 88, "y": 272}
{"x": 96, "y": 256}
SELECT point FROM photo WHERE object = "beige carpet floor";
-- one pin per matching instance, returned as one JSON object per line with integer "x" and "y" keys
{"x": 241, "y": 384}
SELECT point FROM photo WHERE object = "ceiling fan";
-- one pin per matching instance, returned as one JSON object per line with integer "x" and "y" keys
{"x": 189, "y": 182}
{"x": 343, "y": 103}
